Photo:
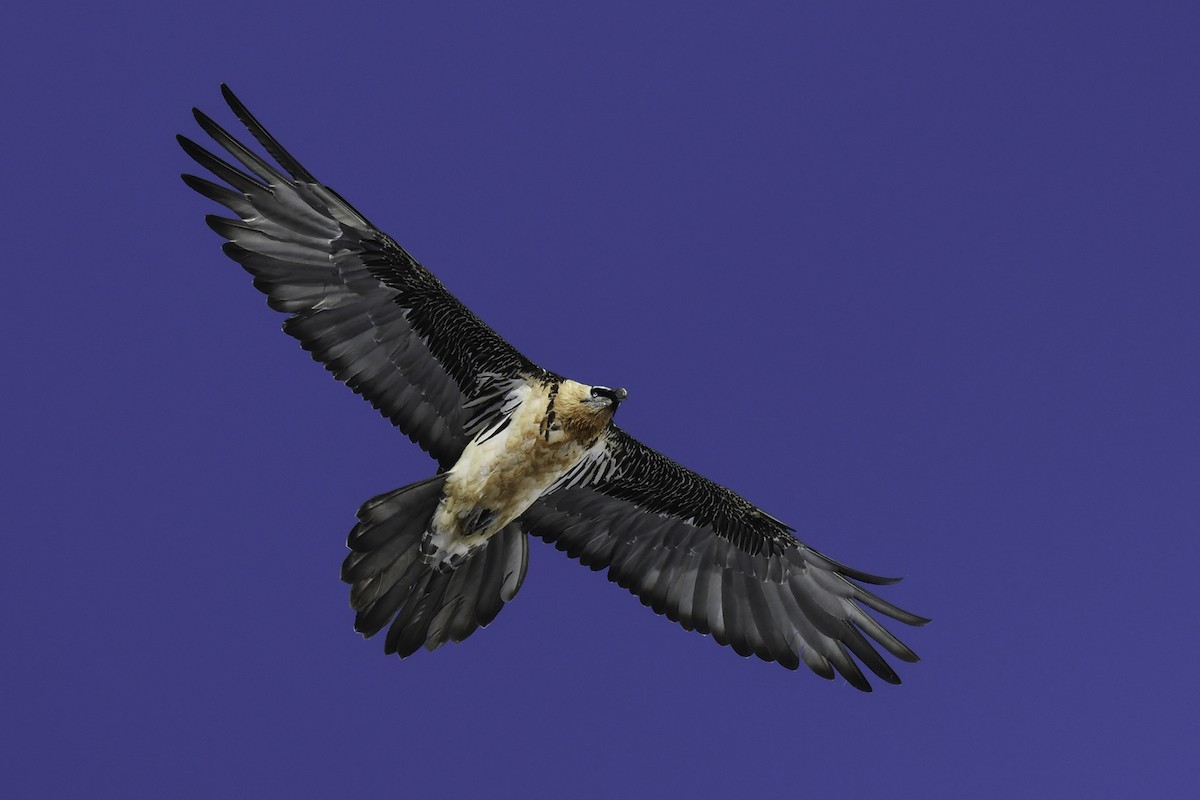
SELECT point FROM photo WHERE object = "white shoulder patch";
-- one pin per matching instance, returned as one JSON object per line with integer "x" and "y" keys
{"x": 491, "y": 410}
{"x": 596, "y": 466}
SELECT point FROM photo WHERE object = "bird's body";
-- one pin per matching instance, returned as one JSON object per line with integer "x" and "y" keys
{"x": 506, "y": 468}
{"x": 519, "y": 450}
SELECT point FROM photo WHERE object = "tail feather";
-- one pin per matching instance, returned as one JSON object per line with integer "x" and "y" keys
{"x": 397, "y": 514}
{"x": 411, "y": 627}
{"x": 425, "y": 606}
{"x": 479, "y": 588}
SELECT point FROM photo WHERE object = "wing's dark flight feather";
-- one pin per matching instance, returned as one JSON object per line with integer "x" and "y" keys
{"x": 359, "y": 303}
{"x": 273, "y": 147}
{"x": 248, "y": 159}
{"x": 219, "y": 167}
{"x": 737, "y": 603}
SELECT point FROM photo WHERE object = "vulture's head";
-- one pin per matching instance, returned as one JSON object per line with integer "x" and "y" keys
{"x": 602, "y": 397}
{"x": 585, "y": 410}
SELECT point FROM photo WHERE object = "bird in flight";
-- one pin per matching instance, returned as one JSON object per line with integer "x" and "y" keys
{"x": 520, "y": 451}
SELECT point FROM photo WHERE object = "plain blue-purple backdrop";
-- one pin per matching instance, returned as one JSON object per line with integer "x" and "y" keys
{"x": 919, "y": 279}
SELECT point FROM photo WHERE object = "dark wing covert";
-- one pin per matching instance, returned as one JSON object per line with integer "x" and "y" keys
{"x": 358, "y": 302}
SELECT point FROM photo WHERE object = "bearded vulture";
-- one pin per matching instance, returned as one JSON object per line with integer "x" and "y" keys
{"x": 519, "y": 450}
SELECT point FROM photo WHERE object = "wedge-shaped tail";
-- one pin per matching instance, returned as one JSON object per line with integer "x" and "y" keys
{"x": 394, "y": 588}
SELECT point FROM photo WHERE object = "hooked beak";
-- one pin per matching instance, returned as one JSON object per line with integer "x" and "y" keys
{"x": 615, "y": 395}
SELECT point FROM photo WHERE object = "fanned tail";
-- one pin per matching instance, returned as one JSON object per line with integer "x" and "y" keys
{"x": 392, "y": 583}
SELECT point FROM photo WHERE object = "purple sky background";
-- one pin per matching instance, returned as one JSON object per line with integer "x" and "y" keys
{"x": 919, "y": 279}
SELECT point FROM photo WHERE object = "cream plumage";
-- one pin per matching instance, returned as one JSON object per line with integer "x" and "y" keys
{"x": 519, "y": 450}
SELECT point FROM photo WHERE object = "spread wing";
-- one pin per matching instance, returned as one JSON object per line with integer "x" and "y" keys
{"x": 708, "y": 559}
{"x": 356, "y": 300}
